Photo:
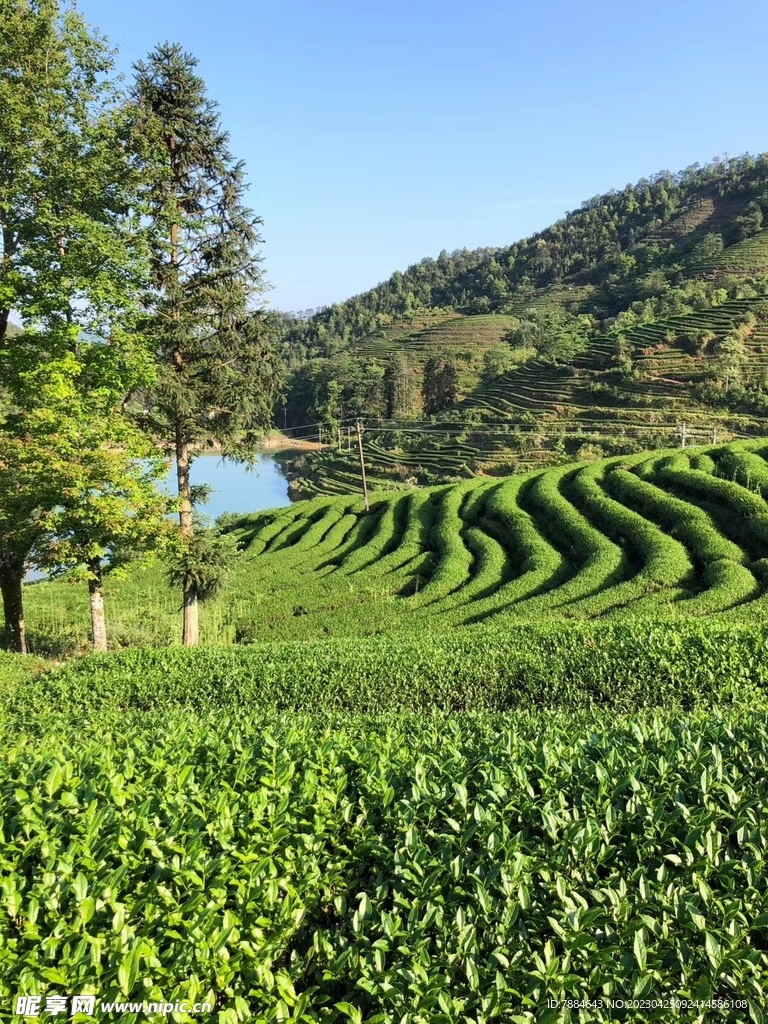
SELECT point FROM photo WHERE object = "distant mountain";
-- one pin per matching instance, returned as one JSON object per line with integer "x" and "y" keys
{"x": 622, "y": 245}
{"x": 639, "y": 320}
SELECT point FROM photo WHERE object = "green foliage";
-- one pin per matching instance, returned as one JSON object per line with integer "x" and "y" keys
{"x": 708, "y": 246}
{"x": 640, "y": 536}
{"x": 450, "y": 823}
{"x": 71, "y": 255}
{"x": 552, "y": 333}
{"x": 596, "y": 562}
{"x": 202, "y": 562}
{"x": 327, "y": 867}
{"x": 497, "y": 360}
{"x": 438, "y": 388}
{"x": 210, "y": 344}
{"x": 452, "y": 557}
{"x": 749, "y": 222}
{"x": 399, "y": 387}
{"x": 665, "y": 563}
{"x": 626, "y": 393}
{"x": 15, "y": 669}
{"x": 488, "y": 667}
{"x": 218, "y": 374}
{"x": 76, "y": 478}
{"x": 331, "y": 391}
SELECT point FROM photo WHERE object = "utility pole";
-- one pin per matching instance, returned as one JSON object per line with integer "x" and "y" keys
{"x": 349, "y": 439}
{"x": 339, "y": 437}
{"x": 362, "y": 465}
{"x": 319, "y": 435}
{"x": 682, "y": 435}
{"x": 714, "y": 435}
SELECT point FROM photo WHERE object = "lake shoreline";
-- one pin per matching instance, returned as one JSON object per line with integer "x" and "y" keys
{"x": 272, "y": 442}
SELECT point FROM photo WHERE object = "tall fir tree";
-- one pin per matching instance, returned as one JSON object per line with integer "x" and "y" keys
{"x": 219, "y": 373}
{"x": 398, "y": 387}
{"x": 439, "y": 387}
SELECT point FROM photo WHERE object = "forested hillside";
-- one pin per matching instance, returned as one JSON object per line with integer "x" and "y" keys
{"x": 642, "y": 310}
{"x": 612, "y": 241}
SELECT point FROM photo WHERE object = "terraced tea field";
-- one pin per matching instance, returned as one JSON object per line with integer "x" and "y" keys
{"x": 540, "y": 412}
{"x": 678, "y": 534}
{"x": 744, "y": 257}
{"x": 362, "y": 813}
{"x": 453, "y": 336}
{"x": 668, "y": 369}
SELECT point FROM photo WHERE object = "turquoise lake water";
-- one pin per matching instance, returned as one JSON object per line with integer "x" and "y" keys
{"x": 237, "y": 488}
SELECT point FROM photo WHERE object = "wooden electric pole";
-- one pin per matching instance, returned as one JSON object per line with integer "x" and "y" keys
{"x": 362, "y": 464}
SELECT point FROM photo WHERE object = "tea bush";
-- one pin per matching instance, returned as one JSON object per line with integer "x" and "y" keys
{"x": 324, "y": 868}
{"x": 667, "y": 534}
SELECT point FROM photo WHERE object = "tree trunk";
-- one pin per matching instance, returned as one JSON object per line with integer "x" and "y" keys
{"x": 9, "y": 248}
{"x": 190, "y": 629}
{"x": 190, "y": 632}
{"x": 13, "y": 609}
{"x": 98, "y": 619}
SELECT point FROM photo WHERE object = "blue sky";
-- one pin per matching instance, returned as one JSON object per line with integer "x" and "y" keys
{"x": 376, "y": 133}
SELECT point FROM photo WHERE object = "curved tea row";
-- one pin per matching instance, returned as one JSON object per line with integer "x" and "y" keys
{"x": 674, "y": 533}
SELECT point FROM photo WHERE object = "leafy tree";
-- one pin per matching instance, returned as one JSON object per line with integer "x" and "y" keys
{"x": 330, "y": 409}
{"x": 327, "y": 391}
{"x": 730, "y": 361}
{"x": 70, "y": 262}
{"x": 710, "y": 245}
{"x": 218, "y": 373}
{"x": 77, "y": 481}
{"x": 749, "y": 222}
{"x": 552, "y": 332}
{"x": 622, "y": 357}
{"x": 698, "y": 339}
{"x": 27, "y": 490}
{"x": 497, "y": 360}
{"x": 69, "y": 254}
{"x": 205, "y": 562}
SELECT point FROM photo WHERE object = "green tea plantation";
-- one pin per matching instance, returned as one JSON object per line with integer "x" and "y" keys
{"x": 493, "y": 752}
